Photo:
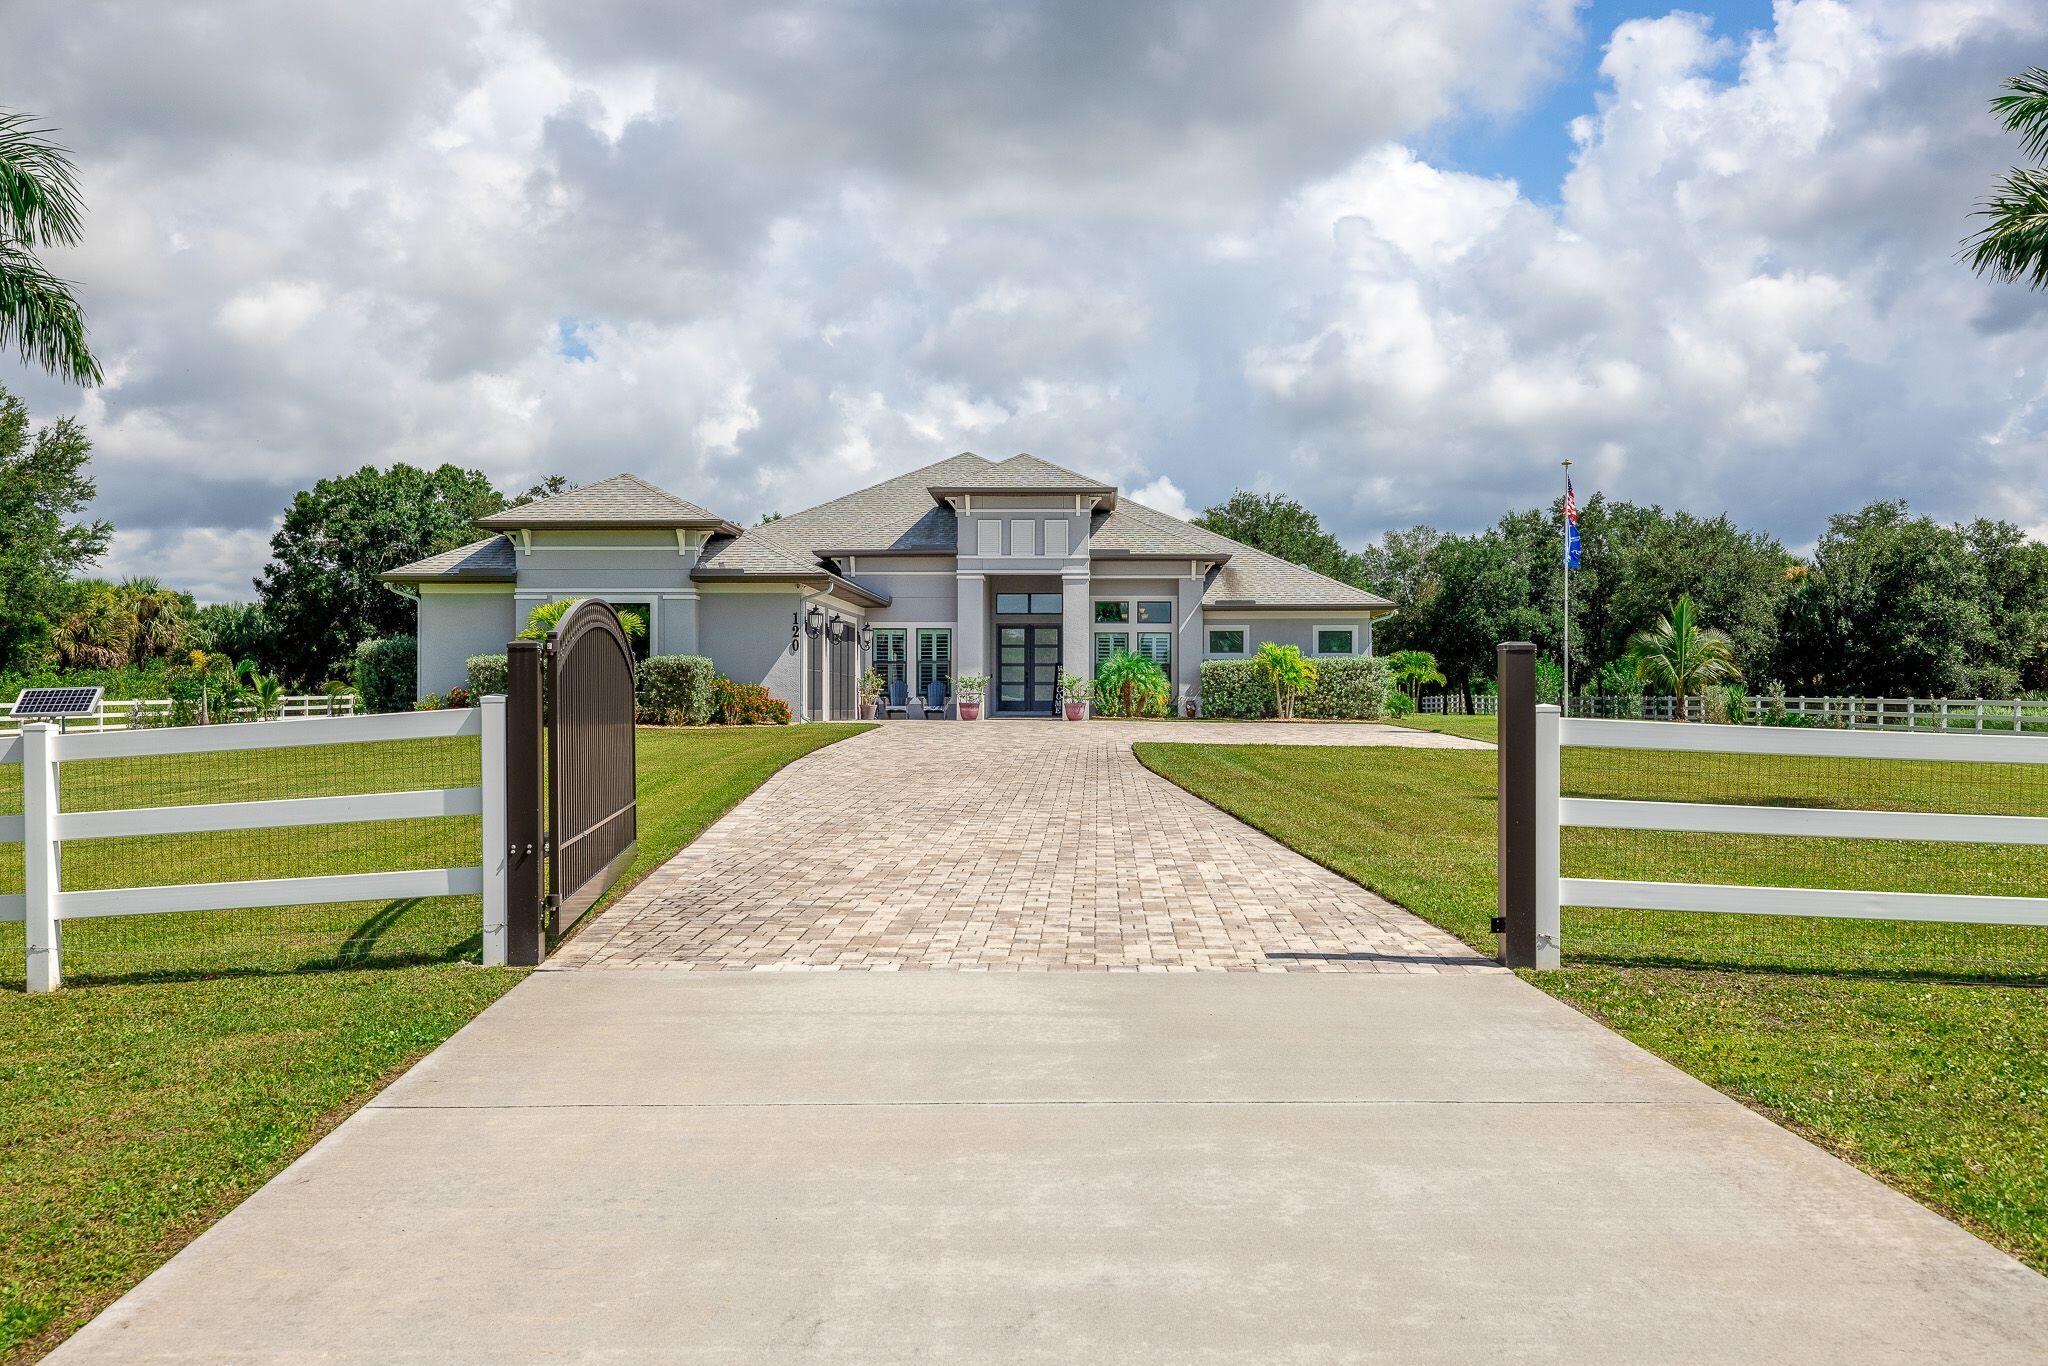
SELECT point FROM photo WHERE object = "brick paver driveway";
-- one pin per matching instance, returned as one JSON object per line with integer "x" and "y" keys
{"x": 1008, "y": 845}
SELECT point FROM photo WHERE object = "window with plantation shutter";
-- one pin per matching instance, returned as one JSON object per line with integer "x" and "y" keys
{"x": 1108, "y": 643}
{"x": 1157, "y": 646}
{"x": 891, "y": 656}
{"x": 934, "y": 658}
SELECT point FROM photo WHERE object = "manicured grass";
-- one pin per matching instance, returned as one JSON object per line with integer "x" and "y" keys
{"x": 1919, "y": 1052}
{"x": 1471, "y": 727}
{"x": 192, "y": 1056}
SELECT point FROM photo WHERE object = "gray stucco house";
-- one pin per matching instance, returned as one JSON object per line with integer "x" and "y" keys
{"x": 1017, "y": 569}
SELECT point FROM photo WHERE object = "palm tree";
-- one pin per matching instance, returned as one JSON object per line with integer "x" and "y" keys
{"x": 1288, "y": 672}
{"x": 2013, "y": 244}
{"x": 1132, "y": 680}
{"x": 1414, "y": 670}
{"x": 548, "y": 615}
{"x": 1680, "y": 656}
{"x": 39, "y": 207}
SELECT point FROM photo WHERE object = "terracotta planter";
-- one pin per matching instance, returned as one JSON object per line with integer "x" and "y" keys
{"x": 970, "y": 711}
{"x": 1077, "y": 711}
{"x": 868, "y": 710}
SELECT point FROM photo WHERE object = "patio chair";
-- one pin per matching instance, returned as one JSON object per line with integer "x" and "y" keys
{"x": 935, "y": 700}
{"x": 899, "y": 700}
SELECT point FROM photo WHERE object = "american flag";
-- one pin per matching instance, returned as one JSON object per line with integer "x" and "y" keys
{"x": 1571, "y": 526}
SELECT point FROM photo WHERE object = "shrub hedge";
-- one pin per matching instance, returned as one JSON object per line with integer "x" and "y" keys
{"x": 747, "y": 704}
{"x": 487, "y": 675}
{"x": 1346, "y": 690}
{"x": 675, "y": 690}
{"x": 386, "y": 672}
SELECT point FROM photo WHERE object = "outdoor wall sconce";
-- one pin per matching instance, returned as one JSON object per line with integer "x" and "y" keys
{"x": 814, "y": 621}
{"x": 867, "y": 636}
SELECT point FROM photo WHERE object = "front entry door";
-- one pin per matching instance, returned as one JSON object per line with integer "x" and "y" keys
{"x": 1027, "y": 668}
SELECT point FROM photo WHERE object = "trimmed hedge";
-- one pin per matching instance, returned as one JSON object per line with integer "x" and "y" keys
{"x": 675, "y": 690}
{"x": 1347, "y": 690}
{"x": 487, "y": 675}
{"x": 387, "y": 673}
{"x": 1233, "y": 691}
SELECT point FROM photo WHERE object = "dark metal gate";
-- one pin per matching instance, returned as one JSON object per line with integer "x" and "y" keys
{"x": 577, "y": 688}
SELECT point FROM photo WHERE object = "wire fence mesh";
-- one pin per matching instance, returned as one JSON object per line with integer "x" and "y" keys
{"x": 268, "y": 939}
{"x": 1878, "y": 948}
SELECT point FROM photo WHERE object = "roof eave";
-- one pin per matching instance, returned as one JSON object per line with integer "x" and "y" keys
{"x": 1104, "y": 493}
{"x": 505, "y": 521}
{"x": 1250, "y": 605}
{"x": 400, "y": 576}
{"x": 821, "y": 579}
{"x": 1207, "y": 556}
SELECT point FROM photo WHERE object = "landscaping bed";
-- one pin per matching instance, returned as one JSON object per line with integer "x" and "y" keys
{"x": 1919, "y": 1052}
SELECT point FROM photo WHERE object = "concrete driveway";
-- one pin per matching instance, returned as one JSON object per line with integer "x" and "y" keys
{"x": 1064, "y": 1167}
{"x": 1009, "y": 846}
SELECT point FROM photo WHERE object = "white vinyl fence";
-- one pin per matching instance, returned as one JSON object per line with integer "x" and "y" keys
{"x": 138, "y": 712}
{"x": 1554, "y": 811}
{"x": 41, "y": 751}
{"x": 2019, "y": 716}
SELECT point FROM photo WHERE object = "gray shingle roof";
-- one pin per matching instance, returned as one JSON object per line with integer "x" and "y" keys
{"x": 621, "y": 501}
{"x": 757, "y": 550}
{"x": 487, "y": 561}
{"x": 1134, "y": 529}
{"x": 1255, "y": 579}
{"x": 896, "y": 514}
{"x": 1020, "y": 474}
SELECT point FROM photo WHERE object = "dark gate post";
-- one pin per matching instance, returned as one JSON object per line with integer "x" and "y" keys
{"x": 1515, "y": 921}
{"x": 523, "y": 727}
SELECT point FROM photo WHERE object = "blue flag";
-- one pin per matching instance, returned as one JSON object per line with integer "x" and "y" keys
{"x": 1571, "y": 527}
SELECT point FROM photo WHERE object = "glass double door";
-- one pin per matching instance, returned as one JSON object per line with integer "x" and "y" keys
{"x": 1027, "y": 668}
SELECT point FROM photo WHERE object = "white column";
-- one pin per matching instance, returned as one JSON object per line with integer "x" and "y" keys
{"x": 1189, "y": 644}
{"x": 497, "y": 849}
{"x": 970, "y": 635}
{"x": 1077, "y": 648}
{"x": 39, "y": 755}
{"x": 1549, "y": 917}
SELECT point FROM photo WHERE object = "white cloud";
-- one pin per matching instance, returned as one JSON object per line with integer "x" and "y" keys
{"x": 1163, "y": 495}
{"x": 1188, "y": 247}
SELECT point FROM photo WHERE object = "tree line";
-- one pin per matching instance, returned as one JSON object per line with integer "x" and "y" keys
{"x": 1888, "y": 603}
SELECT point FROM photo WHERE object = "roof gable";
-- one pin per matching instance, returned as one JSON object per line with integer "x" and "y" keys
{"x": 487, "y": 561}
{"x": 624, "y": 500}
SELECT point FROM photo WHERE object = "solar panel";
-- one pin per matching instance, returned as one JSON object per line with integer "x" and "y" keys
{"x": 58, "y": 702}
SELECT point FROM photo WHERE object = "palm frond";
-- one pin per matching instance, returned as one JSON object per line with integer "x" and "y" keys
{"x": 2013, "y": 244}
{"x": 2024, "y": 110}
{"x": 41, "y": 318}
{"x": 39, "y": 199}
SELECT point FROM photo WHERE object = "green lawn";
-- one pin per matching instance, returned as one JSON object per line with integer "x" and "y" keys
{"x": 192, "y": 1056}
{"x": 1471, "y": 727}
{"x": 1919, "y": 1052}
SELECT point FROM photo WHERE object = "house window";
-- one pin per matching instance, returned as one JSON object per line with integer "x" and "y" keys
{"x": 1108, "y": 643}
{"x": 1155, "y": 614}
{"x": 988, "y": 537}
{"x": 1336, "y": 640}
{"x": 1043, "y": 603}
{"x": 892, "y": 657}
{"x": 1023, "y": 538}
{"x": 1157, "y": 646}
{"x": 1056, "y": 538}
{"x": 934, "y": 657}
{"x": 1012, "y": 604}
{"x": 1227, "y": 641}
{"x": 1109, "y": 613}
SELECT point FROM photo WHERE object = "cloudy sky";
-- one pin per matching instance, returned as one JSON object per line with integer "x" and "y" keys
{"x": 1394, "y": 257}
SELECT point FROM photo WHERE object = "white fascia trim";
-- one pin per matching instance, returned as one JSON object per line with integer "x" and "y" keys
{"x": 472, "y": 589}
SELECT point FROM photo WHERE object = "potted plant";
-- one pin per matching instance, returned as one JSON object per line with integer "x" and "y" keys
{"x": 1076, "y": 692}
{"x": 872, "y": 686}
{"x": 969, "y": 689}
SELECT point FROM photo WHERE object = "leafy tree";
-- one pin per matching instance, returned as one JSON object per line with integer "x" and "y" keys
{"x": 1287, "y": 672}
{"x": 43, "y": 542}
{"x": 1280, "y": 526}
{"x": 1129, "y": 684}
{"x": 1891, "y": 605}
{"x": 1474, "y": 593}
{"x": 321, "y": 594}
{"x": 2014, "y": 570}
{"x": 39, "y": 207}
{"x": 546, "y": 488}
{"x": 1397, "y": 567}
{"x": 238, "y": 629}
{"x": 1679, "y": 656}
{"x": 98, "y": 630}
{"x": 2013, "y": 243}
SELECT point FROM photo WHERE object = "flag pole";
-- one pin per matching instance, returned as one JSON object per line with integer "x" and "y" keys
{"x": 1565, "y": 701}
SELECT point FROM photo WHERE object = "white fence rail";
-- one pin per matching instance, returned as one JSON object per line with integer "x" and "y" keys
{"x": 138, "y": 712}
{"x": 2020, "y": 716}
{"x": 1554, "y": 811}
{"x": 41, "y": 750}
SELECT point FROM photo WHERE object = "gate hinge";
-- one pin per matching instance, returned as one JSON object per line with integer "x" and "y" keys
{"x": 1499, "y": 925}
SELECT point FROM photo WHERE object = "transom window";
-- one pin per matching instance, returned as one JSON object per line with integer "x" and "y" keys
{"x": 1227, "y": 641}
{"x": 1111, "y": 612}
{"x": 1336, "y": 640}
{"x": 1155, "y": 614}
{"x": 1022, "y": 604}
